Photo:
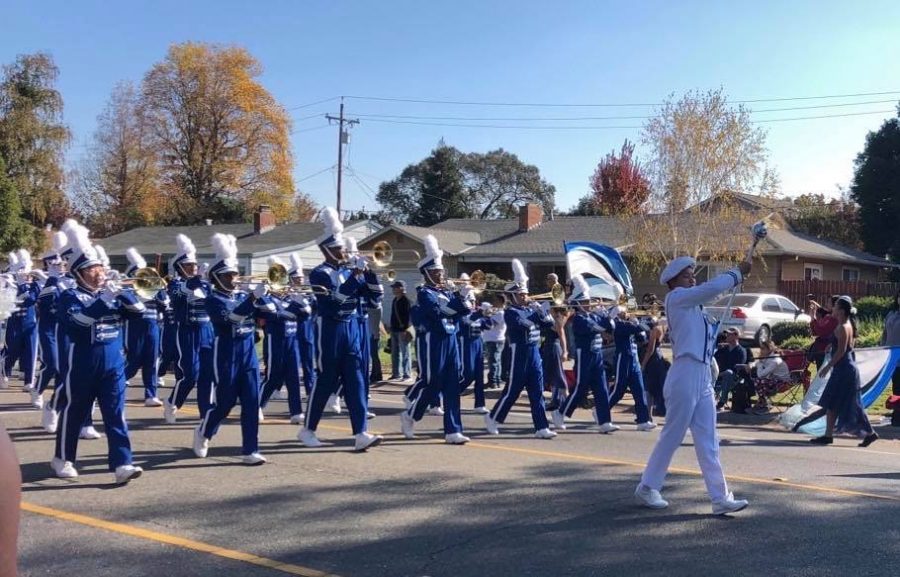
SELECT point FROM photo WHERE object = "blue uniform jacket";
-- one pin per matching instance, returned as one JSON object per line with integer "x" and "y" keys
{"x": 90, "y": 321}
{"x": 345, "y": 291}
{"x": 587, "y": 329}
{"x": 439, "y": 310}
{"x": 471, "y": 325}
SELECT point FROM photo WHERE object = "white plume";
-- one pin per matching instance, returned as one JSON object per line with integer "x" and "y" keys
{"x": 24, "y": 260}
{"x": 580, "y": 289}
{"x": 13, "y": 259}
{"x": 68, "y": 225}
{"x": 296, "y": 262}
{"x": 79, "y": 241}
{"x": 225, "y": 246}
{"x": 331, "y": 220}
{"x": 273, "y": 260}
{"x": 352, "y": 249}
{"x": 184, "y": 244}
{"x": 101, "y": 254}
{"x": 135, "y": 258}
{"x": 519, "y": 272}
{"x": 58, "y": 241}
{"x": 432, "y": 250}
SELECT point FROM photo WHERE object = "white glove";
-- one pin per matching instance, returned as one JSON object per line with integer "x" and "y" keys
{"x": 109, "y": 292}
{"x": 204, "y": 268}
{"x": 260, "y": 290}
{"x": 465, "y": 291}
{"x": 360, "y": 262}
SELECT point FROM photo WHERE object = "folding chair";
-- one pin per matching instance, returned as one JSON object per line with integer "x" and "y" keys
{"x": 796, "y": 387}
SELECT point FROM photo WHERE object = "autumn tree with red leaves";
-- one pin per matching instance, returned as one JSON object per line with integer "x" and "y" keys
{"x": 618, "y": 186}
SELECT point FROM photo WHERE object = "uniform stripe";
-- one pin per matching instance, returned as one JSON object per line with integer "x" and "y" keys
{"x": 65, "y": 417}
{"x": 509, "y": 385}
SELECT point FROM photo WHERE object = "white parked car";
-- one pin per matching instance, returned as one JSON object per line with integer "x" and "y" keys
{"x": 754, "y": 314}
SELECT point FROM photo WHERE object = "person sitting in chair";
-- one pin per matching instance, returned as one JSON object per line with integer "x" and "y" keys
{"x": 770, "y": 374}
{"x": 728, "y": 357}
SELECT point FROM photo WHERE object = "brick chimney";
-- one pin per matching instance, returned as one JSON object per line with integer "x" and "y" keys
{"x": 530, "y": 216}
{"x": 263, "y": 219}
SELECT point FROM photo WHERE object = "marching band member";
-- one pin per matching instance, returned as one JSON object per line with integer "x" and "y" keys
{"x": 91, "y": 315}
{"x": 236, "y": 369}
{"x": 690, "y": 400}
{"x": 439, "y": 311}
{"x": 370, "y": 301}
{"x": 524, "y": 322}
{"x": 142, "y": 335}
{"x": 281, "y": 349}
{"x": 47, "y": 319}
{"x": 194, "y": 333}
{"x": 339, "y": 342}
{"x": 306, "y": 329}
{"x": 588, "y": 328}
{"x": 472, "y": 352}
{"x": 21, "y": 327}
{"x": 628, "y": 369}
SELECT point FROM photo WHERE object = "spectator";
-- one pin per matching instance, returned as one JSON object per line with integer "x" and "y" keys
{"x": 891, "y": 338}
{"x": 770, "y": 374}
{"x": 401, "y": 333}
{"x": 655, "y": 368}
{"x": 729, "y": 356}
{"x": 10, "y": 483}
{"x": 494, "y": 339}
{"x": 821, "y": 326}
{"x": 376, "y": 329}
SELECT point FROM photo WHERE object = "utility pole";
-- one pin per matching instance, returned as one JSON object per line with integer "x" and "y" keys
{"x": 343, "y": 138}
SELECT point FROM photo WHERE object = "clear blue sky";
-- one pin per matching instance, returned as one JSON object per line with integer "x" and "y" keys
{"x": 497, "y": 51}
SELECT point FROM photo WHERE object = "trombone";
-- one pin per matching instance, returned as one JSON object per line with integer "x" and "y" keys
{"x": 146, "y": 282}
{"x": 280, "y": 283}
{"x": 382, "y": 254}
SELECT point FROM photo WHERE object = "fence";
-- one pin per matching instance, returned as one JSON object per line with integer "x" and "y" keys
{"x": 796, "y": 290}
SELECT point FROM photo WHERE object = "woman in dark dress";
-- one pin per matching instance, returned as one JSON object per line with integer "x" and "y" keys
{"x": 840, "y": 402}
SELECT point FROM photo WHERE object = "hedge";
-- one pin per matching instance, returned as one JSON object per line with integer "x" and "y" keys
{"x": 796, "y": 342}
{"x": 781, "y": 332}
{"x": 873, "y": 307}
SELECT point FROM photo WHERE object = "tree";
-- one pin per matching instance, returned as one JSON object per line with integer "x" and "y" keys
{"x": 876, "y": 188}
{"x": 305, "y": 208}
{"x": 116, "y": 187}
{"x": 428, "y": 192}
{"x": 33, "y": 137}
{"x": 220, "y": 135}
{"x": 618, "y": 186}
{"x": 15, "y": 232}
{"x": 702, "y": 150}
{"x": 836, "y": 220}
{"x": 450, "y": 184}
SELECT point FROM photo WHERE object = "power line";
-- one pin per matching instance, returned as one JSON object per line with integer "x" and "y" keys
{"x": 307, "y": 177}
{"x": 308, "y": 104}
{"x": 601, "y": 105}
{"x": 310, "y": 129}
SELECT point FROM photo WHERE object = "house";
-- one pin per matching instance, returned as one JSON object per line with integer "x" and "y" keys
{"x": 256, "y": 242}
{"x": 490, "y": 245}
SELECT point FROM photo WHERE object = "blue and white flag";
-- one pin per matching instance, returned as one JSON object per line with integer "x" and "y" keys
{"x": 602, "y": 266}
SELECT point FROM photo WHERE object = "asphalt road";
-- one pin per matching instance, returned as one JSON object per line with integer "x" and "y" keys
{"x": 507, "y": 505}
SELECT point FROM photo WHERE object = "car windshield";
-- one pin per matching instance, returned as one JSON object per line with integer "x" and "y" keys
{"x": 744, "y": 301}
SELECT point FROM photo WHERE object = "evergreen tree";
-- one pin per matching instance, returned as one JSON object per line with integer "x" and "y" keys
{"x": 15, "y": 232}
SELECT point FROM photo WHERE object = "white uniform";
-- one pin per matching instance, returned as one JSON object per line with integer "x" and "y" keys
{"x": 688, "y": 390}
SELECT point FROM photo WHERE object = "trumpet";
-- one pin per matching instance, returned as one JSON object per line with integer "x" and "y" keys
{"x": 146, "y": 282}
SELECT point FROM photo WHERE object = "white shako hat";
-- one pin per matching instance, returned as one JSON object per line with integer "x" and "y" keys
{"x": 332, "y": 237}
{"x": 351, "y": 248}
{"x": 520, "y": 279}
{"x": 433, "y": 256}
{"x": 57, "y": 242}
{"x": 83, "y": 254}
{"x": 187, "y": 254}
{"x": 24, "y": 260}
{"x": 12, "y": 261}
{"x": 135, "y": 261}
{"x": 674, "y": 268}
{"x": 225, "y": 246}
{"x": 101, "y": 254}
{"x": 580, "y": 289}
{"x": 296, "y": 268}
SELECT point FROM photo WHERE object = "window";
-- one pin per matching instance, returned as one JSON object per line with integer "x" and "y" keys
{"x": 770, "y": 305}
{"x": 812, "y": 271}
{"x": 850, "y": 274}
{"x": 743, "y": 301}
{"x": 787, "y": 306}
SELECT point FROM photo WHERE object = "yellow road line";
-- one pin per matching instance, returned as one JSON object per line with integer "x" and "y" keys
{"x": 149, "y": 535}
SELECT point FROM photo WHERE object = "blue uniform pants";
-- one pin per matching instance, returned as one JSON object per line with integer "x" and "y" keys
{"x": 192, "y": 368}
{"x": 339, "y": 361}
{"x": 282, "y": 356}
{"x": 628, "y": 376}
{"x": 525, "y": 372}
{"x": 439, "y": 377}
{"x": 21, "y": 346}
{"x": 97, "y": 373}
{"x": 142, "y": 345}
{"x": 233, "y": 380}
{"x": 551, "y": 356}
{"x": 473, "y": 367}
{"x": 168, "y": 337}
{"x": 589, "y": 374}
{"x": 49, "y": 356}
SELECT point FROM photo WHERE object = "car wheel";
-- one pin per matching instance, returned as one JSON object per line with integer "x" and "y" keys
{"x": 763, "y": 334}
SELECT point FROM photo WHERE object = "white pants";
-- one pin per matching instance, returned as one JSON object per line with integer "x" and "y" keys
{"x": 690, "y": 402}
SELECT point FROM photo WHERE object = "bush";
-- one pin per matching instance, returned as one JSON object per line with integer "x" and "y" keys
{"x": 873, "y": 307}
{"x": 796, "y": 342}
{"x": 869, "y": 332}
{"x": 781, "y": 332}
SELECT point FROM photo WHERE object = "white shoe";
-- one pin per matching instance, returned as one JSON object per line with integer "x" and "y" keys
{"x": 261, "y": 416}
{"x": 170, "y": 412}
{"x": 491, "y": 425}
{"x": 366, "y": 440}
{"x": 436, "y": 412}
{"x": 125, "y": 473}
{"x": 334, "y": 404}
{"x": 153, "y": 402}
{"x": 370, "y": 415}
{"x": 89, "y": 433}
{"x": 729, "y": 505}
{"x": 4, "y": 382}
{"x": 544, "y": 434}
{"x": 649, "y": 497}
{"x": 481, "y": 410}
{"x": 456, "y": 439}
{"x": 49, "y": 419}
{"x": 407, "y": 425}
{"x": 28, "y": 387}
{"x": 201, "y": 444}
{"x": 160, "y": 382}
{"x": 280, "y": 395}
{"x": 254, "y": 458}
{"x": 63, "y": 469}
{"x": 297, "y": 419}
{"x": 608, "y": 428}
{"x": 37, "y": 399}
{"x": 406, "y": 402}
{"x": 308, "y": 438}
{"x": 559, "y": 420}
{"x": 648, "y": 426}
